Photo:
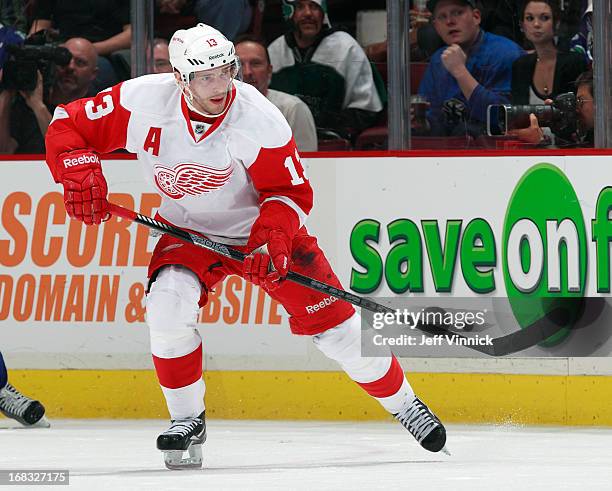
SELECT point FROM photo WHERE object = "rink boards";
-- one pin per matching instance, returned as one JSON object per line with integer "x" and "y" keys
{"x": 72, "y": 315}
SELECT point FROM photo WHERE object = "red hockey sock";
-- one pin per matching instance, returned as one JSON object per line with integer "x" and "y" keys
{"x": 389, "y": 384}
{"x": 174, "y": 373}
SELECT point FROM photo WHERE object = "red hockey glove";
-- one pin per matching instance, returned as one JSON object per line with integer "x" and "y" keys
{"x": 275, "y": 228}
{"x": 268, "y": 265}
{"x": 85, "y": 188}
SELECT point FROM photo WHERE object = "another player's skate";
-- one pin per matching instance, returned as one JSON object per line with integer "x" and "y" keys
{"x": 184, "y": 435}
{"x": 13, "y": 404}
{"x": 418, "y": 419}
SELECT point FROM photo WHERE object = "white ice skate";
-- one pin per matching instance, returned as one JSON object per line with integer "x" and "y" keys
{"x": 184, "y": 435}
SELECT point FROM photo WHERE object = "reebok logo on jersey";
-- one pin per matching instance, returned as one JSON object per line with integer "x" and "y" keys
{"x": 81, "y": 160}
{"x": 326, "y": 302}
{"x": 190, "y": 179}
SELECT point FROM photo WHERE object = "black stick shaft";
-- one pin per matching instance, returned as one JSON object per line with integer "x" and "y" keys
{"x": 504, "y": 345}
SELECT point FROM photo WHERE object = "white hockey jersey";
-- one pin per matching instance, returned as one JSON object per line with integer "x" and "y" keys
{"x": 214, "y": 182}
{"x": 340, "y": 52}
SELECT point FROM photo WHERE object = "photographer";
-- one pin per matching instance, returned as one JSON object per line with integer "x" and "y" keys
{"x": 105, "y": 23}
{"x": 584, "y": 108}
{"x": 25, "y": 115}
{"x": 533, "y": 134}
{"x": 8, "y": 37}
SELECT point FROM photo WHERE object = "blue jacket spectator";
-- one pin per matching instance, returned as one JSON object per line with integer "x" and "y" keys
{"x": 471, "y": 72}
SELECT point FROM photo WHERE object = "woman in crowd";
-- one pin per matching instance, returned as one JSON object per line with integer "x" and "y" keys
{"x": 546, "y": 72}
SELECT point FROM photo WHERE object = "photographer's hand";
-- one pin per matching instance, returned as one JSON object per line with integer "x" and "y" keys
{"x": 7, "y": 143}
{"x": 34, "y": 100}
{"x": 532, "y": 134}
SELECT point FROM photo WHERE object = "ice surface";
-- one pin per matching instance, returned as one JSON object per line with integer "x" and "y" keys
{"x": 250, "y": 455}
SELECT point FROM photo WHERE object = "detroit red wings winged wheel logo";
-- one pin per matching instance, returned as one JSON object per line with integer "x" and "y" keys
{"x": 190, "y": 179}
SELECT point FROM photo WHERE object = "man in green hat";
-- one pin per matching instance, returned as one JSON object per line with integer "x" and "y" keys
{"x": 326, "y": 68}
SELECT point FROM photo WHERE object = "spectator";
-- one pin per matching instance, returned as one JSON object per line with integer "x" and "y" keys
{"x": 545, "y": 73}
{"x": 585, "y": 108}
{"x": 25, "y": 117}
{"x": 257, "y": 71}
{"x": 326, "y": 68}
{"x": 473, "y": 71}
{"x": 231, "y": 17}
{"x": 106, "y": 23}
{"x": 582, "y": 42}
{"x": 585, "y": 116}
{"x": 161, "y": 56}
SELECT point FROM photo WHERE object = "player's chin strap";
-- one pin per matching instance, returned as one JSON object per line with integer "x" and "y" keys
{"x": 516, "y": 341}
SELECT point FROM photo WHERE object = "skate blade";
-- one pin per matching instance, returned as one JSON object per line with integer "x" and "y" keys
{"x": 175, "y": 460}
{"x": 445, "y": 450}
{"x": 41, "y": 423}
{"x": 17, "y": 425}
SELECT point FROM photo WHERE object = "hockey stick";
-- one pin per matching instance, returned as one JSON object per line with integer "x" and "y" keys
{"x": 540, "y": 330}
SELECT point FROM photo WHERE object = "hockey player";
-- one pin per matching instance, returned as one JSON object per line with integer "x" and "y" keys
{"x": 224, "y": 161}
{"x": 13, "y": 404}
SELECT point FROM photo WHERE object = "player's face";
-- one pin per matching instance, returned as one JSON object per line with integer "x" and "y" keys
{"x": 585, "y": 107}
{"x": 210, "y": 88}
{"x": 537, "y": 23}
{"x": 255, "y": 67}
{"x": 308, "y": 18}
{"x": 456, "y": 23}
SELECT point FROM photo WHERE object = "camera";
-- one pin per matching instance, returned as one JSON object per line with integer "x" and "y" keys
{"x": 560, "y": 116}
{"x": 35, "y": 54}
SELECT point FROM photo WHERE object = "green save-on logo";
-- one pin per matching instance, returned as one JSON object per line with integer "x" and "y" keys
{"x": 544, "y": 248}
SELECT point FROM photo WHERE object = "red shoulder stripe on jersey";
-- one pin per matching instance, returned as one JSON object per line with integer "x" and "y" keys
{"x": 278, "y": 173}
